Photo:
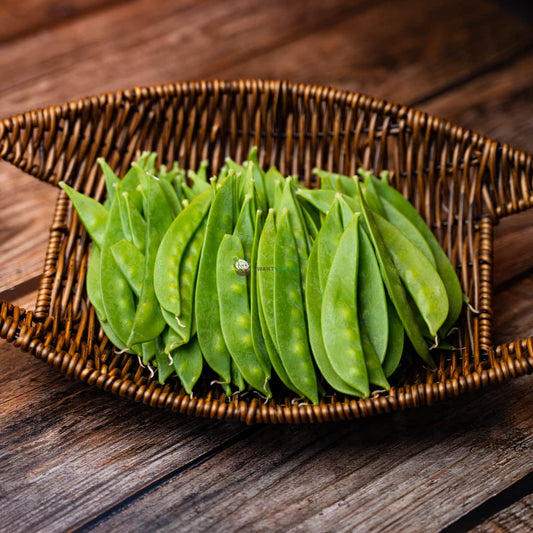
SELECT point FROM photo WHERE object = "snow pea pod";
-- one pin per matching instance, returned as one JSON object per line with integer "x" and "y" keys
{"x": 372, "y": 302}
{"x": 271, "y": 177}
{"x": 396, "y": 340}
{"x": 265, "y": 297}
{"x": 188, "y": 362}
{"x": 92, "y": 282}
{"x": 394, "y": 284}
{"x": 336, "y": 182}
{"x": 257, "y": 336}
{"x": 111, "y": 179}
{"x": 207, "y": 311}
{"x": 171, "y": 251}
{"x": 131, "y": 263}
{"x": 375, "y": 373}
{"x": 117, "y": 296}
{"x": 330, "y": 236}
{"x": 420, "y": 278}
{"x": 313, "y": 302}
{"x": 289, "y": 312}
{"x": 244, "y": 229}
{"x": 322, "y": 199}
{"x": 235, "y": 313}
{"x": 340, "y": 324}
{"x": 288, "y": 202}
{"x": 149, "y": 322}
{"x": 92, "y": 213}
{"x": 171, "y": 197}
{"x": 444, "y": 266}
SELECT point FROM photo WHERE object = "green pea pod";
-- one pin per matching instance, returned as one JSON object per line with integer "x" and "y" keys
{"x": 313, "y": 301}
{"x": 322, "y": 199}
{"x": 394, "y": 284}
{"x": 336, "y": 182}
{"x": 129, "y": 185}
{"x": 235, "y": 313}
{"x": 171, "y": 251}
{"x": 183, "y": 323}
{"x": 420, "y": 278}
{"x": 376, "y": 376}
{"x": 444, "y": 266}
{"x": 165, "y": 366}
{"x": 259, "y": 180}
{"x": 188, "y": 363}
{"x": 340, "y": 324}
{"x": 149, "y": 322}
{"x": 111, "y": 335}
{"x": 111, "y": 179}
{"x": 133, "y": 224}
{"x": 271, "y": 177}
{"x": 371, "y": 298}
{"x": 297, "y": 224}
{"x": 131, "y": 263}
{"x": 92, "y": 213}
{"x": 310, "y": 224}
{"x": 244, "y": 229}
{"x": 330, "y": 236}
{"x": 257, "y": 336}
{"x": 396, "y": 340}
{"x": 199, "y": 178}
{"x": 290, "y": 312}
{"x": 92, "y": 282}
{"x": 369, "y": 191}
{"x": 265, "y": 297}
{"x": 207, "y": 311}
{"x": 171, "y": 196}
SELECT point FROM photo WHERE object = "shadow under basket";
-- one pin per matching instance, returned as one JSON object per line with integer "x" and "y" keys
{"x": 461, "y": 183}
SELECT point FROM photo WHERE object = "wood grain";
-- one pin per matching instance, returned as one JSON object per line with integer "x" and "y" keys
{"x": 69, "y": 451}
{"x": 514, "y": 519}
{"x": 418, "y": 469}
{"x": 21, "y": 18}
{"x": 400, "y": 51}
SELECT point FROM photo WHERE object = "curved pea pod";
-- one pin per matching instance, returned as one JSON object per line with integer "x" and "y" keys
{"x": 188, "y": 362}
{"x": 111, "y": 179}
{"x": 322, "y": 199}
{"x": 420, "y": 278}
{"x": 313, "y": 302}
{"x": 171, "y": 196}
{"x": 330, "y": 236}
{"x": 257, "y": 335}
{"x": 340, "y": 324}
{"x": 164, "y": 363}
{"x": 376, "y": 375}
{"x": 235, "y": 313}
{"x": 395, "y": 343}
{"x": 92, "y": 282}
{"x": 369, "y": 191}
{"x": 131, "y": 263}
{"x": 444, "y": 266}
{"x": 172, "y": 249}
{"x": 183, "y": 323}
{"x": 206, "y": 309}
{"x": 236, "y": 377}
{"x": 336, "y": 182}
{"x": 133, "y": 224}
{"x": 265, "y": 297}
{"x": 149, "y": 322}
{"x": 271, "y": 177}
{"x": 301, "y": 237}
{"x": 394, "y": 285}
{"x": 129, "y": 185}
{"x": 244, "y": 229}
{"x": 92, "y": 213}
{"x": 199, "y": 178}
{"x": 371, "y": 298}
{"x": 117, "y": 296}
{"x": 289, "y": 311}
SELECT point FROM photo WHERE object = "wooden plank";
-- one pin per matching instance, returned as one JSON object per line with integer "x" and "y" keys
{"x": 513, "y": 519}
{"x": 399, "y": 51}
{"x": 146, "y": 43}
{"x": 420, "y": 470}
{"x": 21, "y": 18}
{"x": 69, "y": 451}
{"x": 26, "y": 214}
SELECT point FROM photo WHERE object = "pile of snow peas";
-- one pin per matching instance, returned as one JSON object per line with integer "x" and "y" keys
{"x": 257, "y": 281}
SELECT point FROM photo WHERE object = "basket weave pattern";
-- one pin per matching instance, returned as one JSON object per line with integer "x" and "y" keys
{"x": 461, "y": 183}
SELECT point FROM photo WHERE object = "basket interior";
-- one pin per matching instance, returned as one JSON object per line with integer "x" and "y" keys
{"x": 446, "y": 172}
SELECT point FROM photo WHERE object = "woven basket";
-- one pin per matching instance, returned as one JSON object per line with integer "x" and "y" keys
{"x": 461, "y": 182}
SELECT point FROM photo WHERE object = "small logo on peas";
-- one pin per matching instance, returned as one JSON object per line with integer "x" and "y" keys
{"x": 242, "y": 267}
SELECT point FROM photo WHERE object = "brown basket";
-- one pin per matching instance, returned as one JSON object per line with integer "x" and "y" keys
{"x": 461, "y": 182}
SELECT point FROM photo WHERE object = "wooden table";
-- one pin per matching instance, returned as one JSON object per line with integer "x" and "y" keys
{"x": 73, "y": 457}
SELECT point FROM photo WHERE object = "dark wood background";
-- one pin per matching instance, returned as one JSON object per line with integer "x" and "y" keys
{"x": 76, "y": 458}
